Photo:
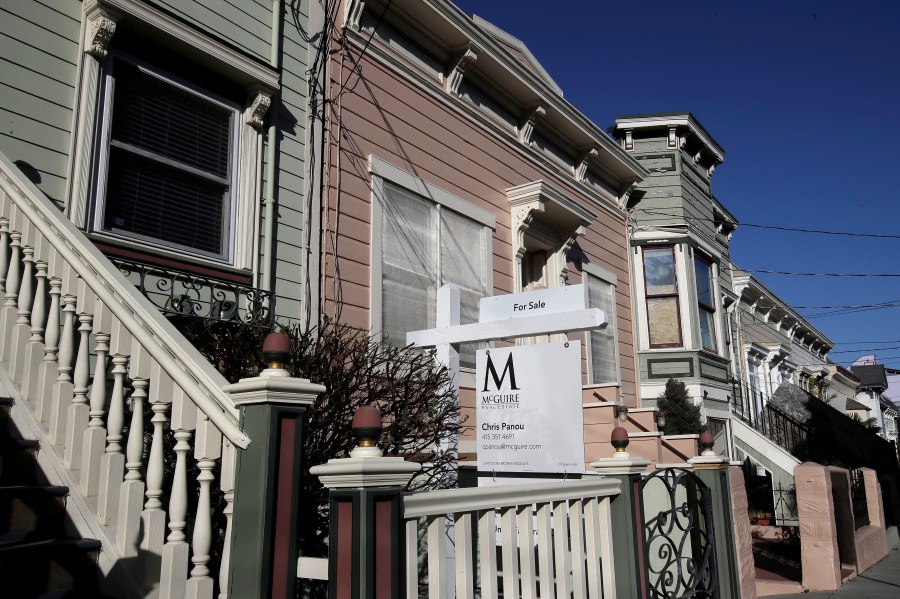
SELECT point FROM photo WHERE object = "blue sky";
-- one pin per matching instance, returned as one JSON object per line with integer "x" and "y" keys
{"x": 804, "y": 97}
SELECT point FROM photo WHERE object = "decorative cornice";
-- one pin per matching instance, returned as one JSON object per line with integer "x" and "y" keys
{"x": 527, "y": 126}
{"x": 255, "y": 113}
{"x": 454, "y": 75}
{"x": 582, "y": 165}
{"x": 101, "y": 25}
{"x": 353, "y": 10}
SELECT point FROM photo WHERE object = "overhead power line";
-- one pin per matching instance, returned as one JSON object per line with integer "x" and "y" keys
{"x": 866, "y": 342}
{"x": 820, "y": 274}
{"x": 870, "y": 349}
{"x": 820, "y": 231}
{"x": 775, "y": 227}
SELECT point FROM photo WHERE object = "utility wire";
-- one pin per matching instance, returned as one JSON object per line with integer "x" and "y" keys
{"x": 774, "y": 227}
{"x": 820, "y": 274}
{"x": 856, "y": 351}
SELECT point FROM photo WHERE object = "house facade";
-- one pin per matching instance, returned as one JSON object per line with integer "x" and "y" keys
{"x": 455, "y": 159}
{"x": 681, "y": 271}
{"x": 174, "y": 135}
{"x": 871, "y": 393}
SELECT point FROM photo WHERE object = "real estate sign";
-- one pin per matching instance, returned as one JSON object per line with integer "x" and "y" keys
{"x": 528, "y": 408}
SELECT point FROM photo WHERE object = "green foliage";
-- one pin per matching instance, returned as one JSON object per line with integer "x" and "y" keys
{"x": 420, "y": 414}
{"x": 869, "y": 423}
{"x": 682, "y": 416}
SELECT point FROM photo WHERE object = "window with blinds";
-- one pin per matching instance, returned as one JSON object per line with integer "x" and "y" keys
{"x": 169, "y": 168}
{"x": 602, "y": 348}
{"x": 423, "y": 246}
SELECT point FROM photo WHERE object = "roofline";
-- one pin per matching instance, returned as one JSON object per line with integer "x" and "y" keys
{"x": 659, "y": 119}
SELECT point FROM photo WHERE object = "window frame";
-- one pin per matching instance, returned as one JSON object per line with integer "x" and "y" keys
{"x": 707, "y": 308}
{"x": 675, "y": 294}
{"x": 592, "y": 270}
{"x": 100, "y": 176}
{"x": 383, "y": 172}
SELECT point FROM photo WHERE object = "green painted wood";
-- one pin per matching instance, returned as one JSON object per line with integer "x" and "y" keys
{"x": 22, "y": 102}
{"x": 624, "y": 537}
{"x": 243, "y": 23}
{"x": 726, "y": 554}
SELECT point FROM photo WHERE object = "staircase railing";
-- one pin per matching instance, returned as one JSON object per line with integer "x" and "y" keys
{"x": 132, "y": 458}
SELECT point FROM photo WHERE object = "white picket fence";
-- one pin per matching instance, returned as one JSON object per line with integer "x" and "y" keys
{"x": 554, "y": 540}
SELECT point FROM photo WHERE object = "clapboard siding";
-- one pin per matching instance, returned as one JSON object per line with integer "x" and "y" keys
{"x": 38, "y": 58}
{"x": 387, "y": 116}
{"x": 244, "y": 24}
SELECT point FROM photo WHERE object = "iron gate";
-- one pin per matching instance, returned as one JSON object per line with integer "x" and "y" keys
{"x": 678, "y": 542}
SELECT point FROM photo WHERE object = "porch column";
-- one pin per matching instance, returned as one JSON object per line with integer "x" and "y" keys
{"x": 263, "y": 560}
{"x": 365, "y": 545}
{"x": 626, "y": 516}
{"x": 712, "y": 469}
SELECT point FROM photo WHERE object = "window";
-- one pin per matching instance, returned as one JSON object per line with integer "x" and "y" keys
{"x": 706, "y": 303}
{"x": 661, "y": 288}
{"x": 426, "y": 243}
{"x": 603, "y": 350}
{"x": 167, "y": 167}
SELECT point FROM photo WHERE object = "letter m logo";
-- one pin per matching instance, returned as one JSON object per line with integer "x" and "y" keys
{"x": 498, "y": 381}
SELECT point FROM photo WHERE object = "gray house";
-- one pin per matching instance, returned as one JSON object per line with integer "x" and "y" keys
{"x": 680, "y": 237}
{"x": 173, "y": 134}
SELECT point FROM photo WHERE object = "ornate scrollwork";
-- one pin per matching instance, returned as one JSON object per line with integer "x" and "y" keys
{"x": 100, "y": 29}
{"x": 187, "y": 294}
{"x": 678, "y": 536}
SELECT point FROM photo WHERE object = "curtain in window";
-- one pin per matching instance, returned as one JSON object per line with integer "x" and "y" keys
{"x": 602, "y": 295}
{"x": 409, "y": 265}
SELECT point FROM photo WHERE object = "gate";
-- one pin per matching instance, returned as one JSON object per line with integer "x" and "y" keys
{"x": 678, "y": 548}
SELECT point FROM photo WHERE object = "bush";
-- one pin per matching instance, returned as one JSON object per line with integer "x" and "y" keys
{"x": 420, "y": 414}
{"x": 682, "y": 416}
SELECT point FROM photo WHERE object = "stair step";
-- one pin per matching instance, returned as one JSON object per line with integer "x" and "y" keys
{"x": 67, "y": 567}
{"x": 38, "y": 510}
{"x": 18, "y": 462}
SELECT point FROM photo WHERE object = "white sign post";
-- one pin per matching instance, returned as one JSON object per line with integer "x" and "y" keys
{"x": 448, "y": 334}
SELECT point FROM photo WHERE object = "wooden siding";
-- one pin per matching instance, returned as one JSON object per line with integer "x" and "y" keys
{"x": 426, "y": 135}
{"x": 245, "y": 24}
{"x": 38, "y": 67}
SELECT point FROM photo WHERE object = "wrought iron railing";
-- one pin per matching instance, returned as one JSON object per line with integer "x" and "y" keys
{"x": 858, "y": 497}
{"x": 178, "y": 292}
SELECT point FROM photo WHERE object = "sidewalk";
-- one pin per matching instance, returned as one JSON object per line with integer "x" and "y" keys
{"x": 880, "y": 581}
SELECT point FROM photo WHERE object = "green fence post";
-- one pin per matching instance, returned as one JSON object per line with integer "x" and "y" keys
{"x": 365, "y": 537}
{"x": 712, "y": 469}
{"x": 627, "y": 518}
{"x": 272, "y": 407}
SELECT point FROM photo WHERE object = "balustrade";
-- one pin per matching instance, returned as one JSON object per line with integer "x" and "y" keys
{"x": 68, "y": 314}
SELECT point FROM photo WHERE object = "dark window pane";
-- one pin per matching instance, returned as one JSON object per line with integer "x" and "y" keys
{"x": 703, "y": 273}
{"x": 659, "y": 269}
{"x": 707, "y": 329}
{"x": 158, "y": 117}
{"x": 151, "y": 200}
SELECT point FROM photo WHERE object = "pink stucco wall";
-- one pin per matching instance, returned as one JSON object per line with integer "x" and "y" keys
{"x": 742, "y": 538}
{"x": 819, "y": 555}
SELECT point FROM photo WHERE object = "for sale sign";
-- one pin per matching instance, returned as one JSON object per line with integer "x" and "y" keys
{"x": 529, "y": 416}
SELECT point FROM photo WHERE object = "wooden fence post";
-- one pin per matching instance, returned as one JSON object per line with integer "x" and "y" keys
{"x": 263, "y": 541}
{"x": 626, "y": 516}
{"x": 365, "y": 544}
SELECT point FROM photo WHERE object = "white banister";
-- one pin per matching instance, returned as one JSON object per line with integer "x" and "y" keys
{"x": 11, "y": 301}
{"x": 131, "y": 492}
{"x": 34, "y": 386}
{"x": 22, "y": 328}
{"x": 180, "y": 360}
{"x": 61, "y": 389}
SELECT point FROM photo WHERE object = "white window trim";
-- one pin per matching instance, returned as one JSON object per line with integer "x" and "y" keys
{"x": 98, "y": 28}
{"x": 101, "y": 174}
{"x": 685, "y": 306}
{"x": 383, "y": 172}
{"x": 719, "y": 310}
{"x": 611, "y": 321}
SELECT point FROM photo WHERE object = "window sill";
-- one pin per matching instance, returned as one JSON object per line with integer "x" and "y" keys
{"x": 148, "y": 255}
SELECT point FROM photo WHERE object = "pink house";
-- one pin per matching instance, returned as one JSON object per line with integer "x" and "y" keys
{"x": 452, "y": 157}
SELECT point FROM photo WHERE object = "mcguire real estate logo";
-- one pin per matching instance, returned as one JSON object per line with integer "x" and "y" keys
{"x": 498, "y": 397}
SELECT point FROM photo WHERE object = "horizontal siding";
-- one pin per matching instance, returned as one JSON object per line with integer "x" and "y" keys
{"x": 246, "y": 24}
{"x": 38, "y": 67}
{"x": 385, "y": 116}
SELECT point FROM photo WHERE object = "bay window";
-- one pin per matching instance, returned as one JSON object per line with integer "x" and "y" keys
{"x": 661, "y": 291}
